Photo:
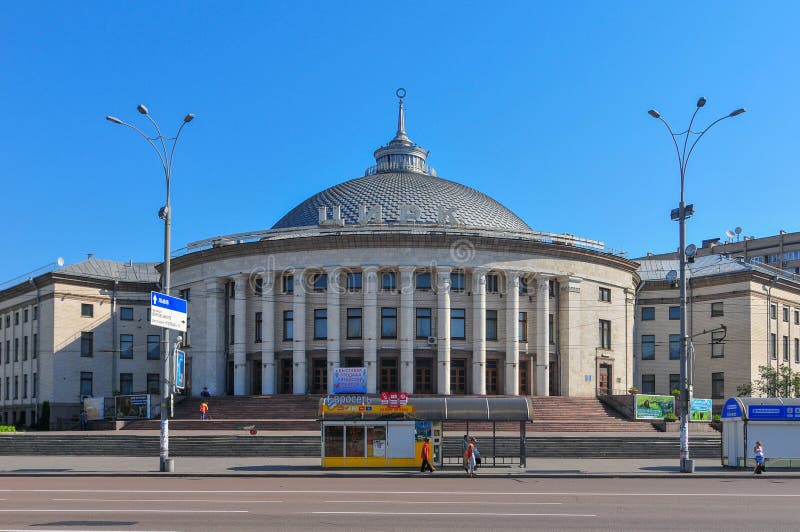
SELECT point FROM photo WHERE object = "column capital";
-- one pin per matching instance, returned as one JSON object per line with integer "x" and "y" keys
{"x": 215, "y": 283}
{"x": 241, "y": 281}
{"x": 407, "y": 269}
{"x": 444, "y": 270}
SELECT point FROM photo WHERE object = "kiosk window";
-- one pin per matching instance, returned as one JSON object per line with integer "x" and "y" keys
{"x": 376, "y": 441}
{"x": 334, "y": 441}
{"x": 355, "y": 441}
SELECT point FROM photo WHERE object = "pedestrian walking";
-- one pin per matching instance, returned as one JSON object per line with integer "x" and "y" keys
{"x": 758, "y": 451}
{"x": 203, "y": 410}
{"x": 469, "y": 455}
{"x": 205, "y": 392}
{"x": 477, "y": 454}
{"x": 426, "y": 457}
{"x": 464, "y": 445}
{"x": 83, "y": 418}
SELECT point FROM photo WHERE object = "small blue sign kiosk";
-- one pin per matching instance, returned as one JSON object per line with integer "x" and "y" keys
{"x": 774, "y": 421}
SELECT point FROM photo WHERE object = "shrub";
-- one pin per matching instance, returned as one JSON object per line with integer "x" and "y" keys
{"x": 670, "y": 417}
{"x": 717, "y": 417}
{"x": 8, "y": 428}
{"x": 676, "y": 392}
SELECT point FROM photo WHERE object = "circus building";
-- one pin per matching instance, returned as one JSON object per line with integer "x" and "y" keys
{"x": 432, "y": 286}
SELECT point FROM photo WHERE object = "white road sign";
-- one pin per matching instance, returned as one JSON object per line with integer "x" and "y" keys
{"x": 167, "y": 311}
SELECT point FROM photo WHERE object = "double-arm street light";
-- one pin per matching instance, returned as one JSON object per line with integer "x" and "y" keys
{"x": 681, "y": 214}
{"x": 159, "y": 144}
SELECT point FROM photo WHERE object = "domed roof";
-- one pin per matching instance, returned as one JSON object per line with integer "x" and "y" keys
{"x": 402, "y": 189}
{"x": 396, "y": 192}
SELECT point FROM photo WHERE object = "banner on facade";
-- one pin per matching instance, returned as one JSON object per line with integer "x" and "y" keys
{"x": 133, "y": 406}
{"x": 94, "y": 408}
{"x": 368, "y": 410}
{"x": 700, "y": 410}
{"x": 654, "y": 406}
{"x": 350, "y": 380}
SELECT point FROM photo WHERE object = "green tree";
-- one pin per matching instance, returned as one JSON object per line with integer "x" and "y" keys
{"x": 772, "y": 382}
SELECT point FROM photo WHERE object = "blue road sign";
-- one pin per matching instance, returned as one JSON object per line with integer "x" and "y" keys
{"x": 180, "y": 369}
{"x": 164, "y": 301}
{"x": 167, "y": 311}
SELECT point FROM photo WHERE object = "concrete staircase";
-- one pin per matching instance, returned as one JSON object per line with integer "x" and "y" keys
{"x": 220, "y": 445}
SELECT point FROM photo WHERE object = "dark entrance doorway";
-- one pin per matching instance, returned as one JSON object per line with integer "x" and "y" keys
{"x": 229, "y": 379}
{"x": 319, "y": 376}
{"x": 388, "y": 371}
{"x": 287, "y": 376}
{"x": 255, "y": 379}
{"x": 423, "y": 375}
{"x": 524, "y": 385}
{"x": 458, "y": 377}
{"x": 604, "y": 379}
{"x": 554, "y": 377}
{"x": 492, "y": 387}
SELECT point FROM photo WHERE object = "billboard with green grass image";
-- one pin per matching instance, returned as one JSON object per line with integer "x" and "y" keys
{"x": 700, "y": 410}
{"x": 654, "y": 406}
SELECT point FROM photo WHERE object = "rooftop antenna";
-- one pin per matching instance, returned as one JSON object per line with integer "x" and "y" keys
{"x": 738, "y": 231}
{"x": 730, "y": 234}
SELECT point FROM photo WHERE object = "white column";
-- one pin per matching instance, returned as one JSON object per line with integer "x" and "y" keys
{"x": 213, "y": 365}
{"x": 268, "y": 294}
{"x": 334, "y": 322}
{"x": 479, "y": 332}
{"x": 299, "y": 343}
{"x": 240, "y": 336}
{"x": 443, "y": 330}
{"x": 512, "y": 334}
{"x": 407, "y": 329}
{"x": 370, "y": 332}
{"x": 542, "y": 335}
{"x": 572, "y": 368}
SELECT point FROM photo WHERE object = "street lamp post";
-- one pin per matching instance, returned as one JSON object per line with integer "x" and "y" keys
{"x": 165, "y": 213}
{"x": 681, "y": 214}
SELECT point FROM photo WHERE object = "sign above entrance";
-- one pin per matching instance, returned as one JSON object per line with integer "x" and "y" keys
{"x": 375, "y": 410}
{"x": 350, "y": 380}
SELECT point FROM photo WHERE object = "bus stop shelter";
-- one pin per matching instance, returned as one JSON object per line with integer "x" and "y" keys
{"x": 774, "y": 421}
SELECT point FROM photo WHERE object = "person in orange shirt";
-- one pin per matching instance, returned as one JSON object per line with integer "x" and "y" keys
{"x": 426, "y": 456}
{"x": 469, "y": 455}
{"x": 203, "y": 411}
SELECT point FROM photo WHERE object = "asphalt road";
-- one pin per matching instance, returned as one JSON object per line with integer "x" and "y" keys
{"x": 423, "y": 503}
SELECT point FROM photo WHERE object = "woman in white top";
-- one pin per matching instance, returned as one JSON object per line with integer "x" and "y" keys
{"x": 758, "y": 450}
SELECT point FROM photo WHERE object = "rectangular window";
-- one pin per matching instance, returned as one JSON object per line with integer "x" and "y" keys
{"x": 86, "y": 383}
{"x": 716, "y": 309}
{"x": 24, "y": 348}
{"x": 287, "y": 284}
{"x": 8, "y": 320}
{"x": 185, "y": 293}
{"x": 35, "y": 345}
{"x": 786, "y": 349}
{"x": 25, "y": 316}
{"x": 649, "y": 384}
{"x": 87, "y": 310}
{"x": 717, "y": 346}
{"x": 797, "y": 350}
{"x": 491, "y": 283}
{"x": 16, "y": 386}
{"x": 457, "y": 281}
{"x": 674, "y": 346}
{"x": 388, "y": 322}
{"x": 491, "y": 325}
{"x": 718, "y": 385}
{"x": 125, "y": 346}
{"x": 126, "y": 383}
{"x": 551, "y": 287}
{"x": 320, "y": 323}
{"x": 35, "y": 312}
{"x": 153, "y": 347}
{"x": 153, "y": 382}
{"x": 773, "y": 346}
{"x": 35, "y": 385}
{"x": 126, "y": 313}
{"x": 605, "y": 334}
{"x": 523, "y": 327}
{"x": 674, "y": 381}
{"x": 648, "y": 313}
{"x": 424, "y": 281}
{"x": 16, "y": 318}
{"x": 458, "y": 324}
{"x": 8, "y": 351}
{"x": 25, "y": 386}
{"x": 786, "y": 314}
{"x": 773, "y": 312}
{"x": 259, "y": 289}
{"x": 388, "y": 281}
{"x": 8, "y": 379}
{"x": 797, "y": 317}
{"x": 87, "y": 344}
{"x": 605, "y": 294}
{"x": 648, "y": 347}
{"x": 288, "y": 325}
{"x": 320, "y": 282}
{"x": 523, "y": 285}
{"x": 354, "y": 280}
{"x": 674, "y": 313}
{"x": 259, "y": 328}
{"x": 16, "y": 349}
{"x": 354, "y": 316}
{"x": 423, "y": 323}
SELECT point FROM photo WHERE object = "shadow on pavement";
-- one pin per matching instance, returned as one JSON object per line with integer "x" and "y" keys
{"x": 41, "y": 470}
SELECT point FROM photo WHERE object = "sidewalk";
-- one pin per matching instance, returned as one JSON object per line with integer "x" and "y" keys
{"x": 88, "y": 466}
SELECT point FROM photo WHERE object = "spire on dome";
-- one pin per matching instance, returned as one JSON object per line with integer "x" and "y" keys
{"x": 401, "y": 118}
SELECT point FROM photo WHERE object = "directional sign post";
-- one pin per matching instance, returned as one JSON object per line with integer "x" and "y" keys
{"x": 167, "y": 311}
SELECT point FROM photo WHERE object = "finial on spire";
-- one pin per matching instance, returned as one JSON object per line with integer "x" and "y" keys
{"x": 401, "y": 116}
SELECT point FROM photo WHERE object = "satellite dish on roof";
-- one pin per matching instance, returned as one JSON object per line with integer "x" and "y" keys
{"x": 738, "y": 230}
{"x": 672, "y": 275}
{"x": 60, "y": 261}
{"x": 730, "y": 234}
{"x": 691, "y": 250}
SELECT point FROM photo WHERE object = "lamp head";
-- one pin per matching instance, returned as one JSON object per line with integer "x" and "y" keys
{"x": 142, "y": 109}
{"x": 189, "y": 118}
{"x": 701, "y": 102}
{"x": 654, "y": 113}
{"x": 114, "y": 119}
{"x": 737, "y": 112}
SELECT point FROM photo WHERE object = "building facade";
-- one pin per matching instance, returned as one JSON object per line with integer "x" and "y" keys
{"x": 759, "y": 307}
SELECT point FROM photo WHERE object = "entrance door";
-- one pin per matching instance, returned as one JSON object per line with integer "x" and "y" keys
{"x": 603, "y": 379}
{"x": 319, "y": 376}
{"x": 554, "y": 373}
{"x": 256, "y": 377}
{"x": 423, "y": 375}
{"x": 491, "y": 377}
{"x": 287, "y": 375}
{"x": 523, "y": 378}
{"x": 229, "y": 379}
{"x": 388, "y": 371}
{"x": 458, "y": 377}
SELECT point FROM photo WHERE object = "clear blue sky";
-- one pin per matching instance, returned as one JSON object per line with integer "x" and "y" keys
{"x": 541, "y": 105}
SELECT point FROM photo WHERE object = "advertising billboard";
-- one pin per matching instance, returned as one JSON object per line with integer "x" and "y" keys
{"x": 350, "y": 380}
{"x": 700, "y": 410}
{"x": 654, "y": 406}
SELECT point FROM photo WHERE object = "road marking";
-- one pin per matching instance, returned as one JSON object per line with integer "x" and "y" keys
{"x": 372, "y": 501}
{"x": 482, "y": 514}
{"x": 78, "y": 530}
{"x": 164, "y": 500}
{"x": 124, "y": 510}
{"x": 476, "y": 493}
